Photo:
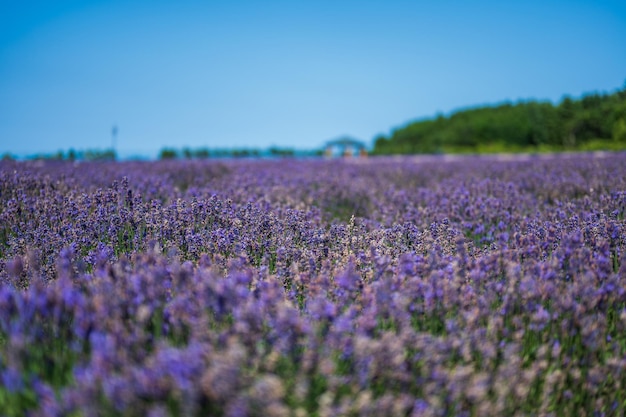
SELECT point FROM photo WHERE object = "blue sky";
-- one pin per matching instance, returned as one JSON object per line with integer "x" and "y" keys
{"x": 284, "y": 73}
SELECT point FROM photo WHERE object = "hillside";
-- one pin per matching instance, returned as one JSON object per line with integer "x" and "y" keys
{"x": 592, "y": 122}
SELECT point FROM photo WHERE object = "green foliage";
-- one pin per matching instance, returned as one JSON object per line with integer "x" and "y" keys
{"x": 619, "y": 131}
{"x": 280, "y": 152}
{"x": 95, "y": 155}
{"x": 50, "y": 355}
{"x": 594, "y": 122}
{"x": 206, "y": 153}
{"x": 243, "y": 153}
{"x": 15, "y": 403}
{"x": 74, "y": 155}
{"x": 168, "y": 153}
{"x": 202, "y": 153}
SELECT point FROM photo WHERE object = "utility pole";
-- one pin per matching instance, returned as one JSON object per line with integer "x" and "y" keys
{"x": 114, "y": 131}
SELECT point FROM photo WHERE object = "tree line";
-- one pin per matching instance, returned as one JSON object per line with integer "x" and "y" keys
{"x": 203, "y": 153}
{"x": 71, "y": 155}
{"x": 593, "y": 122}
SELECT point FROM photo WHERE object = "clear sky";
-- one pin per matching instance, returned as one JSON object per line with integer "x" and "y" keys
{"x": 284, "y": 73}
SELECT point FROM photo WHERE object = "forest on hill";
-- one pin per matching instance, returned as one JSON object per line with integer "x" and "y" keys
{"x": 593, "y": 122}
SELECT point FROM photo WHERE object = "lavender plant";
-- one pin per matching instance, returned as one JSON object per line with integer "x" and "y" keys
{"x": 427, "y": 286}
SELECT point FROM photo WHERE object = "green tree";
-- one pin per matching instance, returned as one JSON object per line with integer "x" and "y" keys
{"x": 619, "y": 131}
{"x": 168, "y": 153}
{"x": 591, "y": 122}
{"x": 202, "y": 153}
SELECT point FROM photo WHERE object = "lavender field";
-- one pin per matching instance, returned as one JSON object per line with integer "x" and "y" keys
{"x": 432, "y": 286}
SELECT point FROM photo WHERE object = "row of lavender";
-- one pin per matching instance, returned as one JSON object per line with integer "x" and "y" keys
{"x": 473, "y": 286}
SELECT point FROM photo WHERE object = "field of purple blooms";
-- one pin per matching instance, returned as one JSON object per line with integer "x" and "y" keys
{"x": 414, "y": 286}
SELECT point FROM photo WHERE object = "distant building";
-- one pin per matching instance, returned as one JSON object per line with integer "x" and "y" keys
{"x": 345, "y": 147}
